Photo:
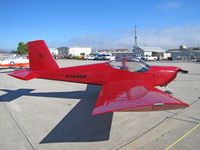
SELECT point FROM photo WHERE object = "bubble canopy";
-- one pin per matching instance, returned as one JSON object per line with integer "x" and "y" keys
{"x": 130, "y": 64}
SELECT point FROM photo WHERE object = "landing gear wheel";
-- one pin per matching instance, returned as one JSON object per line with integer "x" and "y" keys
{"x": 169, "y": 91}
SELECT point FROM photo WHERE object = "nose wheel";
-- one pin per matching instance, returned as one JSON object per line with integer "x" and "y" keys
{"x": 169, "y": 91}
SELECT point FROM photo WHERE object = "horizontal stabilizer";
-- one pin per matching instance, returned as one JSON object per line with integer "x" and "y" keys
{"x": 131, "y": 96}
{"x": 24, "y": 74}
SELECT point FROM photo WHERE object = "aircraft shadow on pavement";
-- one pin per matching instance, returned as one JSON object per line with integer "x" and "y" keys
{"x": 78, "y": 125}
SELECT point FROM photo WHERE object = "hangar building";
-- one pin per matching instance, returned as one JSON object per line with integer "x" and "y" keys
{"x": 74, "y": 51}
{"x": 77, "y": 51}
{"x": 116, "y": 52}
{"x": 151, "y": 51}
{"x": 185, "y": 53}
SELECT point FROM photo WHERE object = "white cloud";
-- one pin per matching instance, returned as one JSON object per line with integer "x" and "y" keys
{"x": 170, "y": 37}
{"x": 168, "y": 5}
{"x": 111, "y": 40}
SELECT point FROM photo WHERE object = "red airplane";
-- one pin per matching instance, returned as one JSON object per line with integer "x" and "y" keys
{"x": 127, "y": 83}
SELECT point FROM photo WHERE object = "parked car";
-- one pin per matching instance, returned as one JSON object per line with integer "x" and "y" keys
{"x": 105, "y": 57}
{"x": 100, "y": 57}
{"x": 80, "y": 57}
{"x": 139, "y": 56}
{"x": 149, "y": 58}
{"x": 90, "y": 57}
{"x": 109, "y": 57}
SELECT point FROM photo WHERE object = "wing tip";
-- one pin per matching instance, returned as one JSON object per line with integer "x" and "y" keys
{"x": 164, "y": 107}
{"x": 94, "y": 112}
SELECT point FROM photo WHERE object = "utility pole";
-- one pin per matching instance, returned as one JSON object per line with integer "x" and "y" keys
{"x": 135, "y": 37}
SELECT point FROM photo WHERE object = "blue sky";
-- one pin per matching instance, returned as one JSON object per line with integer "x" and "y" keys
{"x": 100, "y": 23}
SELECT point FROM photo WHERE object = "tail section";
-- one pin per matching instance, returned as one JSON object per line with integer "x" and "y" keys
{"x": 40, "y": 58}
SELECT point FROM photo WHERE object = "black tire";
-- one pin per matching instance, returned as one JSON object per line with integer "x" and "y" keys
{"x": 12, "y": 63}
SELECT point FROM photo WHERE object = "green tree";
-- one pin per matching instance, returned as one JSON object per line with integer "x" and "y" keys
{"x": 2, "y": 52}
{"x": 22, "y": 48}
{"x": 14, "y": 52}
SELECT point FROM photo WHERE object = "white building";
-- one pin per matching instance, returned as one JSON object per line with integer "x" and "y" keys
{"x": 7, "y": 55}
{"x": 53, "y": 51}
{"x": 151, "y": 51}
{"x": 77, "y": 51}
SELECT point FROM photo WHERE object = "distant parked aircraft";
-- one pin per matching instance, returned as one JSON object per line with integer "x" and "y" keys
{"x": 14, "y": 62}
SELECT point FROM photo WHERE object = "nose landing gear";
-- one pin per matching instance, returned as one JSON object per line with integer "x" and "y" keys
{"x": 168, "y": 91}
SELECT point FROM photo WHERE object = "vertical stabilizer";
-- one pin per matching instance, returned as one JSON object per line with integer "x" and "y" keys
{"x": 40, "y": 58}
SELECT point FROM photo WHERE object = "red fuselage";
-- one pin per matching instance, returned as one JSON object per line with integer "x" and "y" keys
{"x": 104, "y": 73}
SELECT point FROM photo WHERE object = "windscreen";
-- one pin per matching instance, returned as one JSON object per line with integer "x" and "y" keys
{"x": 130, "y": 64}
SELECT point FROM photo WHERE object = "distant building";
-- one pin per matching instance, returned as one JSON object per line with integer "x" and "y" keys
{"x": 73, "y": 51}
{"x": 7, "y": 55}
{"x": 53, "y": 51}
{"x": 63, "y": 51}
{"x": 122, "y": 54}
{"x": 121, "y": 50}
{"x": 181, "y": 47}
{"x": 77, "y": 51}
{"x": 115, "y": 52}
{"x": 185, "y": 53}
{"x": 102, "y": 51}
{"x": 151, "y": 51}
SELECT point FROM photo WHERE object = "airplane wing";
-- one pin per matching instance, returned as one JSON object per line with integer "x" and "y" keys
{"x": 132, "y": 96}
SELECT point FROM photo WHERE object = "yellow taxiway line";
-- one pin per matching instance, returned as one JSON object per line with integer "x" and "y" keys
{"x": 182, "y": 137}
